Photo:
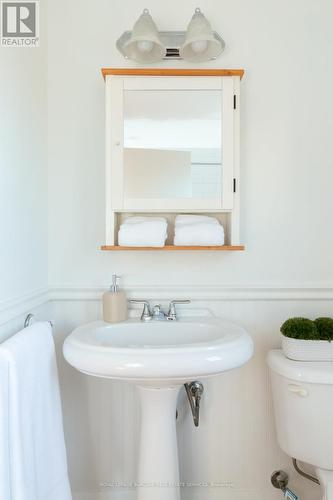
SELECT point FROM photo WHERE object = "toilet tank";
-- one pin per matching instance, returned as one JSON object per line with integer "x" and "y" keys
{"x": 303, "y": 408}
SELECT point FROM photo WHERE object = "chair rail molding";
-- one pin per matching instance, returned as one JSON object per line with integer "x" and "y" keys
{"x": 14, "y": 307}
{"x": 197, "y": 292}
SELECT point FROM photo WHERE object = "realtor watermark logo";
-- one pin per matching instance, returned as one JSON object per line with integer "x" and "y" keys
{"x": 20, "y": 24}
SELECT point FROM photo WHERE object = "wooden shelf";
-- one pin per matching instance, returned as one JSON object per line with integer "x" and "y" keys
{"x": 171, "y": 72}
{"x": 117, "y": 248}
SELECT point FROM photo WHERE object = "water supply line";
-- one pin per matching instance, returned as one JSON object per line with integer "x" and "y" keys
{"x": 304, "y": 474}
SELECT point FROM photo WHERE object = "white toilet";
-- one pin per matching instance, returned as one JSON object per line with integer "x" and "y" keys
{"x": 303, "y": 407}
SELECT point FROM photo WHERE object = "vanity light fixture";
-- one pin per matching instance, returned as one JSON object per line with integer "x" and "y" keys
{"x": 145, "y": 44}
{"x": 200, "y": 42}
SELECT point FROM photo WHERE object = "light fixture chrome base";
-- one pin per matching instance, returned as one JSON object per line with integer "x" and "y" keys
{"x": 172, "y": 40}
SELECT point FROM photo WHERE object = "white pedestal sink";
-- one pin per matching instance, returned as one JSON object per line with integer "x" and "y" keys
{"x": 158, "y": 357}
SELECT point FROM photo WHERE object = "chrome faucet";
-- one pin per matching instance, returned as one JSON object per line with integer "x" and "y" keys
{"x": 157, "y": 313}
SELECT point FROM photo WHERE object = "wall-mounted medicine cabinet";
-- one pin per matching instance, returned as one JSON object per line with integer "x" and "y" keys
{"x": 172, "y": 146}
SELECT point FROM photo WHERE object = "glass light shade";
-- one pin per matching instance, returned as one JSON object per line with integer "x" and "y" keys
{"x": 145, "y": 46}
{"x": 200, "y": 44}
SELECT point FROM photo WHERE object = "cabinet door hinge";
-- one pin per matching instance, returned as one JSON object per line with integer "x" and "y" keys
{"x": 235, "y": 101}
{"x": 234, "y": 185}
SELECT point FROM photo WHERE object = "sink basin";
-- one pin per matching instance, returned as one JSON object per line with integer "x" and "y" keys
{"x": 158, "y": 357}
{"x": 158, "y": 350}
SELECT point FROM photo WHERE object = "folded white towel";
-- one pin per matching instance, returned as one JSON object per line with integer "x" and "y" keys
{"x": 33, "y": 464}
{"x": 198, "y": 230}
{"x": 143, "y": 231}
{"x": 193, "y": 219}
{"x": 142, "y": 219}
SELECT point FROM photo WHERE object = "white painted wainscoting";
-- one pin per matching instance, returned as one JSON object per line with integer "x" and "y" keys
{"x": 234, "y": 449}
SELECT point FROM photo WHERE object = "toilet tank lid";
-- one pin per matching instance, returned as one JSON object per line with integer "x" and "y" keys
{"x": 315, "y": 372}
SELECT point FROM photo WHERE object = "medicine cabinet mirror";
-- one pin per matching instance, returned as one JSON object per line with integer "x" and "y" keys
{"x": 171, "y": 143}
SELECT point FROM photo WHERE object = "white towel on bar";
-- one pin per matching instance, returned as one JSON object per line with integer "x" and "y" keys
{"x": 33, "y": 460}
{"x": 143, "y": 231}
{"x": 198, "y": 230}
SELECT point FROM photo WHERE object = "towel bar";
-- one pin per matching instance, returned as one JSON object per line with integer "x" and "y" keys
{"x": 28, "y": 320}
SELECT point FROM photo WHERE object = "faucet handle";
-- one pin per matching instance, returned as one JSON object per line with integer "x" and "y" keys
{"x": 146, "y": 312}
{"x": 172, "y": 314}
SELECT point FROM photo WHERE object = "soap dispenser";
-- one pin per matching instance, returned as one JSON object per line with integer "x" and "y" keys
{"x": 114, "y": 303}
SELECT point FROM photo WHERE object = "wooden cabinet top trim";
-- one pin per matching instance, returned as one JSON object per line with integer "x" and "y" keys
{"x": 175, "y": 248}
{"x": 171, "y": 72}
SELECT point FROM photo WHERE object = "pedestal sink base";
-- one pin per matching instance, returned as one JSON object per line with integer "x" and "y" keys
{"x": 158, "y": 471}
{"x": 158, "y": 357}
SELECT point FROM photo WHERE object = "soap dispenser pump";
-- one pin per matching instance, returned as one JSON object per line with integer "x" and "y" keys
{"x": 114, "y": 303}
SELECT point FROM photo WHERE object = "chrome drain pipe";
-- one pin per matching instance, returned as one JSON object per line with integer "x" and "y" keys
{"x": 194, "y": 391}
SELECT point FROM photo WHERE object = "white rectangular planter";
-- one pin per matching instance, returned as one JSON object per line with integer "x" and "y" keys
{"x": 307, "y": 350}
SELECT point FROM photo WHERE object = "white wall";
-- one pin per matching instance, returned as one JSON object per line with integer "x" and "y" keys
{"x": 287, "y": 118}
{"x": 23, "y": 170}
{"x": 287, "y": 177}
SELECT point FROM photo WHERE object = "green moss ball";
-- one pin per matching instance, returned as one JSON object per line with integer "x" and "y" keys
{"x": 300, "y": 328}
{"x": 325, "y": 328}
